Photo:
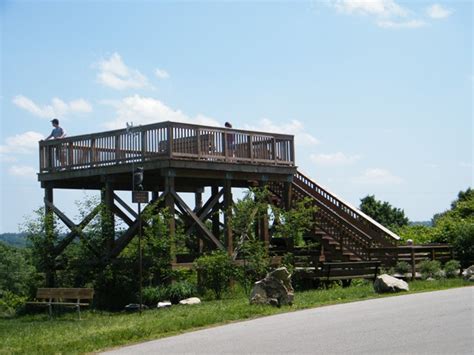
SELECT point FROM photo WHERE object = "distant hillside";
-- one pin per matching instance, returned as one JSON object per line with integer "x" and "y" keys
{"x": 14, "y": 239}
{"x": 421, "y": 223}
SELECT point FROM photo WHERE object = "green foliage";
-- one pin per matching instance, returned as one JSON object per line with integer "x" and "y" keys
{"x": 288, "y": 261}
{"x": 430, "y": 268}
{"x": 17, "y": 274}
{"x": 178, "y": 291}
{"x": 402, "y": 267}
{"x": 451, "y": 268}
{"x": 419, "y": 234}
{"x": 10, "y": 303}
{"x": 383, "y": 212}
{"x": 175, "y": 292}
{"x": 256, "y": 263}
{"x": 215, "y": 272}
{"x": 296, "y": 222}
{"x": 456, "y": 227}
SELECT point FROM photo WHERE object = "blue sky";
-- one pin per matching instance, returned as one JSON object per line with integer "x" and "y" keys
{"x": 377, "y": 93}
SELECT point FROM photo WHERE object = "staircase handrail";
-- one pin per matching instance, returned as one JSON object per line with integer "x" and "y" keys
{"x": 339, "y": 203}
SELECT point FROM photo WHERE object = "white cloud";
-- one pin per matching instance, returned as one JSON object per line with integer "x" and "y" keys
{"x": 22, "y": 171}
{"x": 293, "y": 127}
{"x": 23, "y": 143}
{"x": 146, "y": 110}
{"x": 379, "y": 8}
{"x": 161, "y": 73}
{"x": 464, "y": 164}
{"x": 386, "y": 13}
{"x": 401, "y": 24}
{"x": 335, "y": 159}
{"x": 57, "y": 107}
{"x": 437, "y": 11}
{"x": 115, "y": 74}
{"x": 377, "y": 176}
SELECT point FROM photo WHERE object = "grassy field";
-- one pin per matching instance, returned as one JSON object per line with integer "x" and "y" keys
{"x": 36, "y": 334}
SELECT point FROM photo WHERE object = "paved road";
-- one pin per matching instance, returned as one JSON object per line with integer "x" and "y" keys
{"x": 427, "y": 323}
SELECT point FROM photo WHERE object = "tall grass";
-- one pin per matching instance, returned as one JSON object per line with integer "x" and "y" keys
{"x": 33, "y": 334}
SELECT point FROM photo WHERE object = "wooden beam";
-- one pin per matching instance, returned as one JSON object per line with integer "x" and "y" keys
{"x": 229, "y": 239}
{"x": 70, "y": 224}
{"x": 74, "y": 233}
{"x": 186, "y": 209}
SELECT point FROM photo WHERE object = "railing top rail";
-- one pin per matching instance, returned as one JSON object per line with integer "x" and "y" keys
{"x": 147, "y": 127}
{"x": 415, "y": 247}
{"x": 353, "y": 209}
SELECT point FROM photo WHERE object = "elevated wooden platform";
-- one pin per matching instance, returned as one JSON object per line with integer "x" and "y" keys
{"x": 196, "y": 156}
{"x": 179, "y": 157}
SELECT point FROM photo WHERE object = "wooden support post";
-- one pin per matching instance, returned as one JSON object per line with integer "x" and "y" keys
{"x": 229, "y": 242}
{"x": 263, "y": 222}
{"x": 108, "y": 223}
{"x": 413, "y": 264}
{"x": 287, "y": 197}
{"x": 49, "y": 229}
{"x": 197, "y": 207}
{"x": 169, "y": 202}
{"x": 215, "y": 214}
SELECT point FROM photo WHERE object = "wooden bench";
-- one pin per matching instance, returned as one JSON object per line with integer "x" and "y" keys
{"x": 68, "y": 297}
{"x": 346, "y": 271}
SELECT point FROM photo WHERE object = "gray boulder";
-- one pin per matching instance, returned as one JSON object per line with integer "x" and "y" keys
{"x": 275, "y": 289}
{"x": 386, "y": 283}
{"x": 468, "y": 272}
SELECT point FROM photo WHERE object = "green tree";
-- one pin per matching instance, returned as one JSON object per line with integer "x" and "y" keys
{"x": 17, "y": 273}
{"x": 294, "y": 223}
{"x": 383, "y": 212}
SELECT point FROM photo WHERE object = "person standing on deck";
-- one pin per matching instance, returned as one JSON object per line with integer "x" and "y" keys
{"x": 58, "y": 133}
{"x": 230, "y": 140}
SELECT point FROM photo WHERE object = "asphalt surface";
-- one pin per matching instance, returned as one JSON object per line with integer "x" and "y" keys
{"x": 438, "y": 322}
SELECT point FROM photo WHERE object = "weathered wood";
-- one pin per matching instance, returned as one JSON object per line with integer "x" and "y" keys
{"x": 186, "y": 209}
{"x": 166, "y": 139}
{"x": 67, "y": 297}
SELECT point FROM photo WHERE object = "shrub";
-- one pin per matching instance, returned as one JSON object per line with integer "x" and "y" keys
{"x": 10, "y": 303}
{"x": 430, "y": 268}
{"x": 215, "y": 272}
{"x": 402, "y": 267}
{"x": 180, "y": 290}
{"x": 175, "y": 292}
{"x": 152, "y": 295}
{"x": 451, "y": 268}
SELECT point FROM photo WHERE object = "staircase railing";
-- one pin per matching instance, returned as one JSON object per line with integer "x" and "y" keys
{"x": 379, "y": 235}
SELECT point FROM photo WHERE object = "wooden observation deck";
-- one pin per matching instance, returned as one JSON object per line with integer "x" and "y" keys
{"x": 178, "y": 157}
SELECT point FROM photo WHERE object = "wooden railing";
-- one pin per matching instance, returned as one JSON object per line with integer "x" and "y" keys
{"x": 166, "y": 140}
{"x": 379, "y": 235}
{"x": 353, "y": 230}
{"x": 412, "y": 254}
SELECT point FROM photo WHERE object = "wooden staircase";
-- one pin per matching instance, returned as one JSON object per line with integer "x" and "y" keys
{"x": 344, "y": 232}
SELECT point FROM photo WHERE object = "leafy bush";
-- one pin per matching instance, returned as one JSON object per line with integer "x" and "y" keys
{"x": 10, "y": 303}
{"x": 175, "y": 292}
{"x": 215, "y": 272}
{"x": 430, "y": 268}
{"x": 451, "y": 268}
{"x": 402, "y": 267}
{"x": 152, "y": 295}
{"x": 17, "y": 274}
{"x": 180, "y": 290}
